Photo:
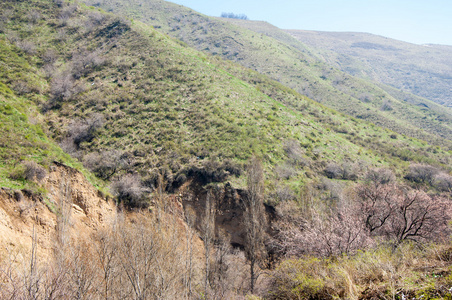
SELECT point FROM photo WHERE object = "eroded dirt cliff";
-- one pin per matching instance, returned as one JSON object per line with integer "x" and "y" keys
{"x": 71, "y": 205}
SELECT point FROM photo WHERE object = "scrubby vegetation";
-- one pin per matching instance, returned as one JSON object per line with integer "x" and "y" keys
{"x": 291, "y": 199}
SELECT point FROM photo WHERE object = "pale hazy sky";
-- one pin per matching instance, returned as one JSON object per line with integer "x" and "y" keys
{"x": 415, "y": 21}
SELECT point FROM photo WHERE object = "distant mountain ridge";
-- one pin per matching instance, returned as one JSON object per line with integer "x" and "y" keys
{"x": 424, "y": 70}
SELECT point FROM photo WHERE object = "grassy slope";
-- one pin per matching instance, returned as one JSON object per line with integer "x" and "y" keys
{"x": 285, "y": 59}
{"x": 21, "y": 135}
{"x": 423, "y": 70}
{"x": 168, "y": 108}
{"x": 406, "y": 107}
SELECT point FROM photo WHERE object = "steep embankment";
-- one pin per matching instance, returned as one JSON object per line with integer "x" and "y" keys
{"x": 72, "y": 208}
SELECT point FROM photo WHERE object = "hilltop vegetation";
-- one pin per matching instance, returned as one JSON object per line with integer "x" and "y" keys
{"x": 201, "y": 152}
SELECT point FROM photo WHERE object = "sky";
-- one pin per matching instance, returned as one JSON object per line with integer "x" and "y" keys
{"x": 414, "y": 21}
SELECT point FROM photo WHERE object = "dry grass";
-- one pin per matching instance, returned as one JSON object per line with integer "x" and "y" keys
{"x": 381, "y": 273}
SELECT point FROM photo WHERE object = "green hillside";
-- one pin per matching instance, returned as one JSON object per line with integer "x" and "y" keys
{"x": 23, "y": 142}
{"x": 124, "y": 98}
{"x": 270, "y": 51}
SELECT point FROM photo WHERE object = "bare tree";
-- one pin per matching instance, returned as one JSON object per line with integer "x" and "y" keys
{"x": 31, "y": 276}
{"x": 254, "y": 216}
{"x": 401, "y": 213}
{"x": 190, "y": 218}
{"x": 106, "y": 255}
{"x": 327, "y": 232}
{"x": 209, "y": 235}
{"x": 419, "y": 217}
{"x": 377, "y": 204}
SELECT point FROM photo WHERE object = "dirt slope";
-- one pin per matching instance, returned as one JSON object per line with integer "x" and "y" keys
{"x": 72, "y": 205}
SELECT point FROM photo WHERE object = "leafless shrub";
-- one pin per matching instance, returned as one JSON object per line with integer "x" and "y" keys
{"x": 281, "y": 194}
{"x": 62, "y": 87}
{"x": 63, "y": 20}
{"x": 59, "y": 3}
{"x": 22, "y": 88}
{"x": 50, "y": 56}
{"x": 332, "y": 191}
{"x": 34, "y": 16}
{"x": 347, "y": 171}
{"x": 84, "y": 62}
{"x": 285, "y": 171}
{"x": 5, "y": 15}
{"x": 68, "y": 11}
{"x": 62, "y": 34}
{"x": 129, "y": 190}
{"x": 33, "y": 171}
{"x": 350, "y": 171}
{"x": 104, "y": 164}
{"x": 334, "y": 171}
{"x": 338, "y": 80}
{"x": 291, "y": 215}
{"x": 27, "y": 46}
{"x": 18, "y": 195}
{"x": 327, "y": 233}
{"x": 386, "y": 106}
{"x": 401, "y": 214}
{"x": 213, "y": 170}
{"x": 294, "y": 152}
{"x": 97, "y": 17}
{"x": 380, "y": 176}
{"x": 80, "y": 131}
{"x": 12, "y": 36}
{"x": 365, "y": 97}
{"x": 443, "y": 182}
{"x": 422, "y": 173}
